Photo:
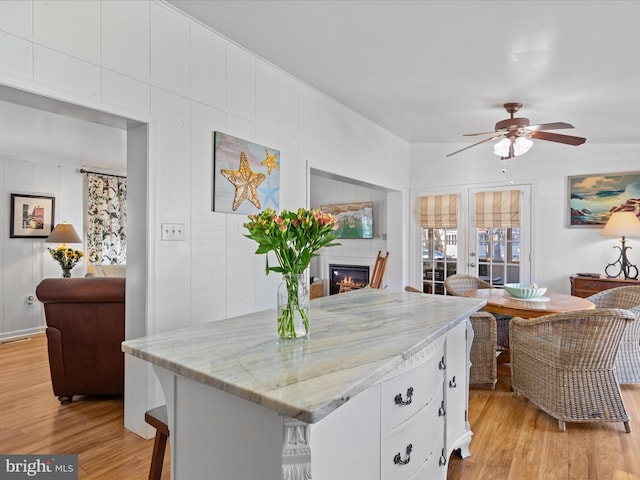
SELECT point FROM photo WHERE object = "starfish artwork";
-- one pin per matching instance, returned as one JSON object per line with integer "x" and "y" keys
{"x": 245, "y": 181}
{"x": 256, "y": 178}
{"x": 271, "y": 161}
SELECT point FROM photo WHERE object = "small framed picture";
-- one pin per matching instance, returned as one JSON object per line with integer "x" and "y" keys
{"x": 31, "y": 216}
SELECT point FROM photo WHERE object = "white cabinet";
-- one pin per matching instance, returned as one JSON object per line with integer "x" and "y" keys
{"x": 413, "y": 413}
{"x": 380, "y": 391}
{"x": 456, "y": 391}
{"x": 402, "y": 427}
{"x": 422, "y": 417}
{"x": 436, "y": 423}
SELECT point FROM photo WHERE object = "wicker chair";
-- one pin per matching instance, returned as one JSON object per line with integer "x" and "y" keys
{"x": 628, "y": 358}
{"x": 564, "y": 363}
{"x": 409, "y": 288}
{"x": 459, "y": 283}
{"x": 483, "y": 348}
{"x": 483, "y": 369}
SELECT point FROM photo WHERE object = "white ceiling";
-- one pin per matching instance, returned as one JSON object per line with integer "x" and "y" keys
{"x": 431, "y": 71}
{"x": 46, "y": 130}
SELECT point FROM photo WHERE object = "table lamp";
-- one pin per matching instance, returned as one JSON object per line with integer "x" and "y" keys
{"x": 67, "y": 257}
{"x": 622, "y": 224}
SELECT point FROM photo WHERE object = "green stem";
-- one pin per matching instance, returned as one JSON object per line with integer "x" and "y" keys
{"x": 287, "y": 318}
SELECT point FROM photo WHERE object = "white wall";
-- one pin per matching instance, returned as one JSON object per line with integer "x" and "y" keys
{"x": 25, "y": 261}
{"x": 557, "y": 250}
{"x": 148, "y": 60}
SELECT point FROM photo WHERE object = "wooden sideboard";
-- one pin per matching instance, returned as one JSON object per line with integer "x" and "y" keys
{"x": 587, "y": 286}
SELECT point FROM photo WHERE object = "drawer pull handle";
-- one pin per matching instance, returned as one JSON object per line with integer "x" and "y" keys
{"x": 441, "y": 411}
{"x": 442, "y": 365}
{"x": 443, "y": 461}
{"x": 452, "y": 382}
{"x": 398, "y": 397}
{"x": 590, "y": 285}
{"x": 397, "y": 460}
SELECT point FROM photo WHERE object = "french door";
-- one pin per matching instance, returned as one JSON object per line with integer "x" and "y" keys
{"x": 496, "y": 254}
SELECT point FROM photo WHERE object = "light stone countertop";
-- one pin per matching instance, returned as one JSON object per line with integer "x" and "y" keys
{"x": 355, "y": 339}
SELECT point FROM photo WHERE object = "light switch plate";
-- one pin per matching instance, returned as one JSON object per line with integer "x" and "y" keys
{"x": 173, "y": 232}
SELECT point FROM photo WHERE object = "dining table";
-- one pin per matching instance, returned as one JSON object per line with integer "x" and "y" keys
{"x": 500, "y": 302}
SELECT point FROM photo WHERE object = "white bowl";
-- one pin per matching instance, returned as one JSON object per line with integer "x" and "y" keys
{"x": 524, "y": 290}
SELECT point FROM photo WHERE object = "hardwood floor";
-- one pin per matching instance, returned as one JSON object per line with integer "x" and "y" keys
{"x": 513, "y": 439}
{"x": 34, "y": 422}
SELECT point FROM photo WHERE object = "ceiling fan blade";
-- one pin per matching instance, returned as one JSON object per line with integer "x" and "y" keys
{"x": 549, "y": 126}
{"x": 556, "y": 137}
{"x": 477, "y": 143}
{"x": 481, "y": 133}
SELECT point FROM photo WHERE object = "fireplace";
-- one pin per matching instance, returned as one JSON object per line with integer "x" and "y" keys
{"x": 343, "y": 278}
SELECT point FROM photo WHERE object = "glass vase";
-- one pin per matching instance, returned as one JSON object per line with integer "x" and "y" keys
{"x": 66, "y": 272}
{"x": 293, "y": 306}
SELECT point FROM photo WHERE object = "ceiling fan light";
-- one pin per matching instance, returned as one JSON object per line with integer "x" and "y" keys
{"x": 501, "y": 148}
{"x": 522, "y": 146}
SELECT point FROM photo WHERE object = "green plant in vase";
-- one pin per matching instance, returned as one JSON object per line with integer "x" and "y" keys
{"x": 294, "y": 237}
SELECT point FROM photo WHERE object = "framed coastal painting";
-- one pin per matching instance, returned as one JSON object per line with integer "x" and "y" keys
{"x": 246, "y": 176}
{"x": 31, "y": 216}
{"x": 355, "y": 220}
{"x": 593, "y": 198}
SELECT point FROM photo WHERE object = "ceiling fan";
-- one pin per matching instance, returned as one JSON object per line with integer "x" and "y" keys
{"x": 516, "y": 135}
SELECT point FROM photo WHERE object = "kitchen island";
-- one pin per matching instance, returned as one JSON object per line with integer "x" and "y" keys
{"x": 378, "y": 390}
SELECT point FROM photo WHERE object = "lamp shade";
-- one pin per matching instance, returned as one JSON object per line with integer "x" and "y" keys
{"x": 521, "y": 145}
{"x": 622, "y": 224}
{"x": 63, "y": 233}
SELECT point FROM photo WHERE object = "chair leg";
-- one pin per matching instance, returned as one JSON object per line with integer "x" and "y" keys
{"x": 157, "y": 418}
{"x": 562, "y": 426}
{"x": 159, "y": 446}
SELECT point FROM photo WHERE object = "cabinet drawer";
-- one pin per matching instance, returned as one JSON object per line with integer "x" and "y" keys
{"x": 432, "y": 468}
{"x": 585, "y": 286}
{"x": 424, "y": 435}
{"x": 588, "y": 286}
{"x": 406, "y": 394}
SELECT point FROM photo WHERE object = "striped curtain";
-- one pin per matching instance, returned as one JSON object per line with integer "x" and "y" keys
{"x": 439, "y": 211}
{"x": 107, "y": 209}
{"x": 498, "y": 209}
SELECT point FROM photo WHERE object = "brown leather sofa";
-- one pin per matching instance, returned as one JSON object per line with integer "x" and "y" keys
{"x": 85, "y": 328}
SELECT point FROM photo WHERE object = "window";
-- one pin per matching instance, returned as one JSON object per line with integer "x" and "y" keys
{"x": 439, "y": 257}
{"x": 497, "y": 218}
{"x": 438, "y": 218}
{"x": 499, "y": 255}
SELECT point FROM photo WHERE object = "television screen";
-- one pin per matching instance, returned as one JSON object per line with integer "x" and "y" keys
{"x": 355, "y": 220}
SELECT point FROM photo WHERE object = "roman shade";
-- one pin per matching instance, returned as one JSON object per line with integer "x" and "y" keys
{"x": 498, "y": 209}
{"x": 439, "y": 211}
